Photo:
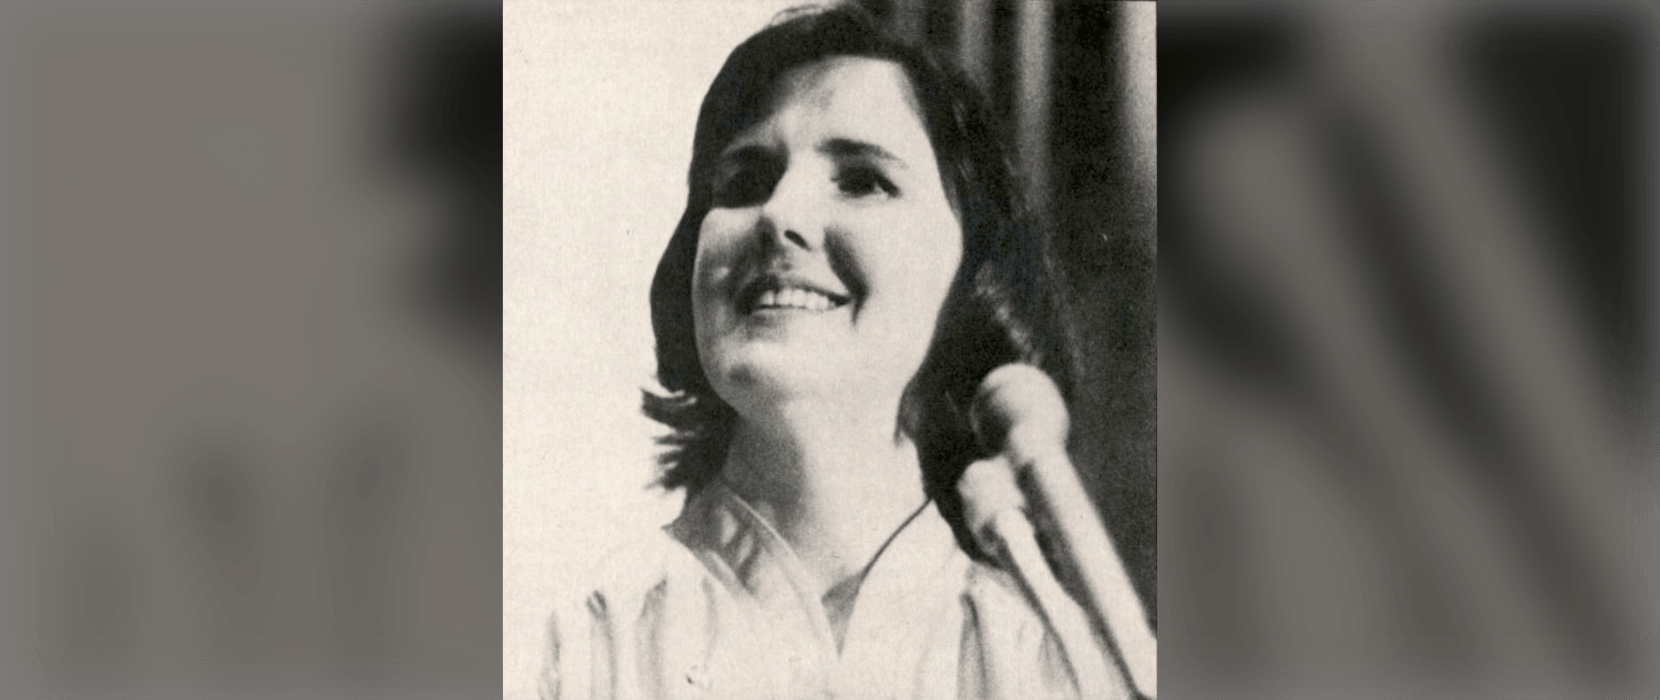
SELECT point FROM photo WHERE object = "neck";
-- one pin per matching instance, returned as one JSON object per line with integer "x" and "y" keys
{"x": 836, "y": 485}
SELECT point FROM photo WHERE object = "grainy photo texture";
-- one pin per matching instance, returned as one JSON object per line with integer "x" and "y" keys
{"x": 828, "y": 349}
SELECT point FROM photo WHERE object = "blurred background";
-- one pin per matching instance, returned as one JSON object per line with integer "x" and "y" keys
{"x": 1405, "y": 349}
{"x": 601, "y": 100}
{"x": 251, "y": 340}
{"x": 252, "y": 359}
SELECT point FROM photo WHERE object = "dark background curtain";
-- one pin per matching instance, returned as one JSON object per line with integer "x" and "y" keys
{"x": 1072, "y": 83}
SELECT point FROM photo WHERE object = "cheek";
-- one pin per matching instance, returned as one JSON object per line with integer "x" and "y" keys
{"x": 717, "y": 251}
{"x": 917, "y": 268}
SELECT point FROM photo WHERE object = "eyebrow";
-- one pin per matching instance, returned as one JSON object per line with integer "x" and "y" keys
{"x": 846, "y": 147}
{"x": 838, "y": 147}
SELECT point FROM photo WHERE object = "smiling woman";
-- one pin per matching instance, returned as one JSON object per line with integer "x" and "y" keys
{"x": 814, "y": 306}
{"x": 853, "y": 259}
{"x": 822, "y": 265}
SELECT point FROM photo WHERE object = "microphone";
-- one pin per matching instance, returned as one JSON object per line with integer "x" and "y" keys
{"x": 1020, "y": 413}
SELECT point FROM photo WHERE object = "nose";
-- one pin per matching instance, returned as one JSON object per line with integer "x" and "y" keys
{"x": 793, "y": 215}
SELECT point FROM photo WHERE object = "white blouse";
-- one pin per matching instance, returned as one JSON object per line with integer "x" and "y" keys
{"x": 720, "y": 607}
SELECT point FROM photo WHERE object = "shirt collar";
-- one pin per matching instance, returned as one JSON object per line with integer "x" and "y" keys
{"x": 742, "y": 549}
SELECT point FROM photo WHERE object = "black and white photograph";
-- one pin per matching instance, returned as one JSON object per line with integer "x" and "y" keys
{"x": 828, "y": 350}
{"x": 843, "y": 349}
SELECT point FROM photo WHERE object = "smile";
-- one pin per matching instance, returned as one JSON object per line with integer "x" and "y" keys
{"x": 804, "y": 299}
{"x": 770, "y": 293}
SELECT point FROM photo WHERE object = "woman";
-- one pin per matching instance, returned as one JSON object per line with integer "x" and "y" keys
{"x": 852, "y": 260}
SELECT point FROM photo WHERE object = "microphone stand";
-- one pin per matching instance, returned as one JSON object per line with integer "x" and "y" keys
{"x": 1034, "y": 420}
{"x": 997, "y": 517}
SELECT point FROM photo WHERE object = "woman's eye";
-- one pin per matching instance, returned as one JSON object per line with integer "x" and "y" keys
{"x": 746, "y": 187}
{"x": 864, "y": 182}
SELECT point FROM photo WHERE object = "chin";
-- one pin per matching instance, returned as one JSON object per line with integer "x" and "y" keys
{"x": 751, "y": 383}
{"x": 757, "y": 389}
{"x": 764, "y": 381}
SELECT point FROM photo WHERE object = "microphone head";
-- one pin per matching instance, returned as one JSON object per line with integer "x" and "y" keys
{"x": 1019, "y": 411}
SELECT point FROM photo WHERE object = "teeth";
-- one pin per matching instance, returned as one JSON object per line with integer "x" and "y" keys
{"x": 794, "y": 299}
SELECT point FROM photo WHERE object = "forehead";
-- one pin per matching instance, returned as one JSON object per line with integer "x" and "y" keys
{"x": 868, "y": 99}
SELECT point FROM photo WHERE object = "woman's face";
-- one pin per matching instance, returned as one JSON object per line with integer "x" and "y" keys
{"x": 830, "y": 246}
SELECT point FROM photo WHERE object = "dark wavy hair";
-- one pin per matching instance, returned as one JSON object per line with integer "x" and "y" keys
{"x": 1002, "y": 307}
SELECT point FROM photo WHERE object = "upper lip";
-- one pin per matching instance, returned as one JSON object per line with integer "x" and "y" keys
{"x": 762, "y": 283}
